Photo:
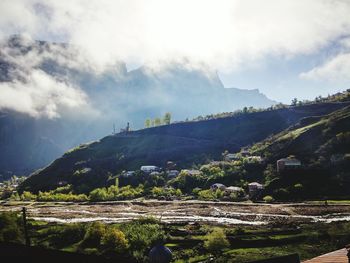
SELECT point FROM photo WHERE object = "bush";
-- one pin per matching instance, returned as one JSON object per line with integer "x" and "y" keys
{"x": 216, "y": 241}
{"x": 98, "y": 194}
{"x": 114, "y": 240}
{"x": 10, "y": 227}
{"x": 94, "y": 235}
{"x": 268, "y": 199}
{"x": 67, "y": 234}
{"x": 210, "y": 194}
{"x": 142, "y": 235}
{"x": 206, "y": 195}
{"x": 28, "y": 196}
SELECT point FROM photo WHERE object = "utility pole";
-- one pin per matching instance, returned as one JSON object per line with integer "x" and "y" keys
{"x": 113, "y": 128}
{"x": 25, "y": 226}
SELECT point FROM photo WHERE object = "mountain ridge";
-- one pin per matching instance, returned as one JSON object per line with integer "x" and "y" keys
{"x": 185, "y": 143}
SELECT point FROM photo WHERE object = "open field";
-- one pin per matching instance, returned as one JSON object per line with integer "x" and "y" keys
{"x": 226, "y": 213}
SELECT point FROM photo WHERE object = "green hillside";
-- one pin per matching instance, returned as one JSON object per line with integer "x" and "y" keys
{"x": 322, "y": 144}
{"x": 91, "y": 165}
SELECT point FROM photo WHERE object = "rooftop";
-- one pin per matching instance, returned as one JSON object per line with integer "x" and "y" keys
{"x": 338, "y": 256}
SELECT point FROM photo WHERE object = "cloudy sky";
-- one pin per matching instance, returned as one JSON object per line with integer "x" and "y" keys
{"x": 285, "y": 48}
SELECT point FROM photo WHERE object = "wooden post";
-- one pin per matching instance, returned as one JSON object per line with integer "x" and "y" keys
{"x": 25, "y": 226}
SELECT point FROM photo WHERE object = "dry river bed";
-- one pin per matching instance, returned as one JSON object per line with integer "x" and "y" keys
{"x": 227, "y": 213}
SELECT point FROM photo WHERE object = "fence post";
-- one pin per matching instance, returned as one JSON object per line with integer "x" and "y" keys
{"x": 25, "y": 226}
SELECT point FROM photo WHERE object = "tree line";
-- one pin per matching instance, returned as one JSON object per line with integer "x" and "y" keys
{"x": 165, "y": 120}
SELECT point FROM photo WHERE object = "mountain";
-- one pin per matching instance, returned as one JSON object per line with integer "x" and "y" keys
{"x": 32, "y": 69}
{"x": 91, "y": 165}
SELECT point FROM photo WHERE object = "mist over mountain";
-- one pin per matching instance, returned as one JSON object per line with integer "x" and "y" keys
{"x": 64, "y": 99}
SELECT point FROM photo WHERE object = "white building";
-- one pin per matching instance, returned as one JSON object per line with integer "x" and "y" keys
{"x": 173, "y": 174}
{"x": 288, "y": 163}
{"x": 234, "y": 189}
{"x": 149, "y": 168}
{"x": 217, "y": 186}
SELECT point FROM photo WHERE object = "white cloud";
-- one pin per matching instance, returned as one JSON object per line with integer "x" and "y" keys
{"x": 40, "y": 95}
{"x": 225, "y": 34}
{"x": 222, "y": 33}
{"x": 335, "y": 70}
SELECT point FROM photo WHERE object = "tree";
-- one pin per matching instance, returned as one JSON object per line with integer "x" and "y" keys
{"x": 10, "y": 228}
{"x": 216, "y": 241}
{"x": 157, "y": 122}
{"x": 98, "y": 194}
{"x": 94, "y": 234}
{"x": 148, "y": 123}
{"x": 167, "y": 118}
{"x": 114, "y": 240}
{"x": 142, "y": 234}
{"x": 294, "y": 102}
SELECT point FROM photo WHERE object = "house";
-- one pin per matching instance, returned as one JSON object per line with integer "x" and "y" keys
{"x": 62, "y": 183}
{"x": 255, "y": 190}
{"x": 149, "y": 168}
{"x": 217, "y": 186}
{"x": 234, "y": 190}
{"x": 245, "y": 152}
{"x": 231, "y": 157}
{"x": 129, "y": 173}
{"x": 336, "y": 158}
{"x": 170, "y": 165}
{"x": 173, "y": 173}
{"x": 287, "y": 163}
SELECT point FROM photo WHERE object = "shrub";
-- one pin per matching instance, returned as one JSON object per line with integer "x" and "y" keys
{"x": 206, "y": 195}
{"x": 94, "y": 235}
{"x": 216, "y": 241}
{"x": 98, "y": 194}
{"x": 68, "y": 234}
{"x": 10, "y": 227}
{"x": 28, "y": 196}
{"x": 268, "y": 199}
{"x": 142, "y": 235}
{"x": 114, "y": 240}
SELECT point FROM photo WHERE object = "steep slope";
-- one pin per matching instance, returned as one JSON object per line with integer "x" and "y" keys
{"x": 116, "y": 95}
{"x": 323, "y": 146}
{"x": 91, "y": 165}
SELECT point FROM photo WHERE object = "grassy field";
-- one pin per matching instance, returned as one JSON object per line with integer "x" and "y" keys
{"x": 246, "y": 243}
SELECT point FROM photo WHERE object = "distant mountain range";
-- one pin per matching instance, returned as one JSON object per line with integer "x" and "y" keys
{"x": 114, "y": 95}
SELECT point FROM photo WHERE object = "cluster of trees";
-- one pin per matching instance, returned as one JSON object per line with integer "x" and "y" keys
{"x": 114, "y": 192}
{"x": 344, "y": 96}
{"x": 341, "y": 96}
{"x": 129, "y": 241}
{"x": 110, "y": 193}
{"x": 216, "y": 241}
{"x": 167, "y": 192}
{"x": 165, "y": 120}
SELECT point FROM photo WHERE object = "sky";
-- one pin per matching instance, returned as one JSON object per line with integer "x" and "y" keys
{"x": 284, "y": 48}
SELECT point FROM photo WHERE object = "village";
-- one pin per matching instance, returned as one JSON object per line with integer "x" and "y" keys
{"x": 252, "y": 191}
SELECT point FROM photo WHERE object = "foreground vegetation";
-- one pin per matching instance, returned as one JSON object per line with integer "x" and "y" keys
{"x": 132, "y": 241}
